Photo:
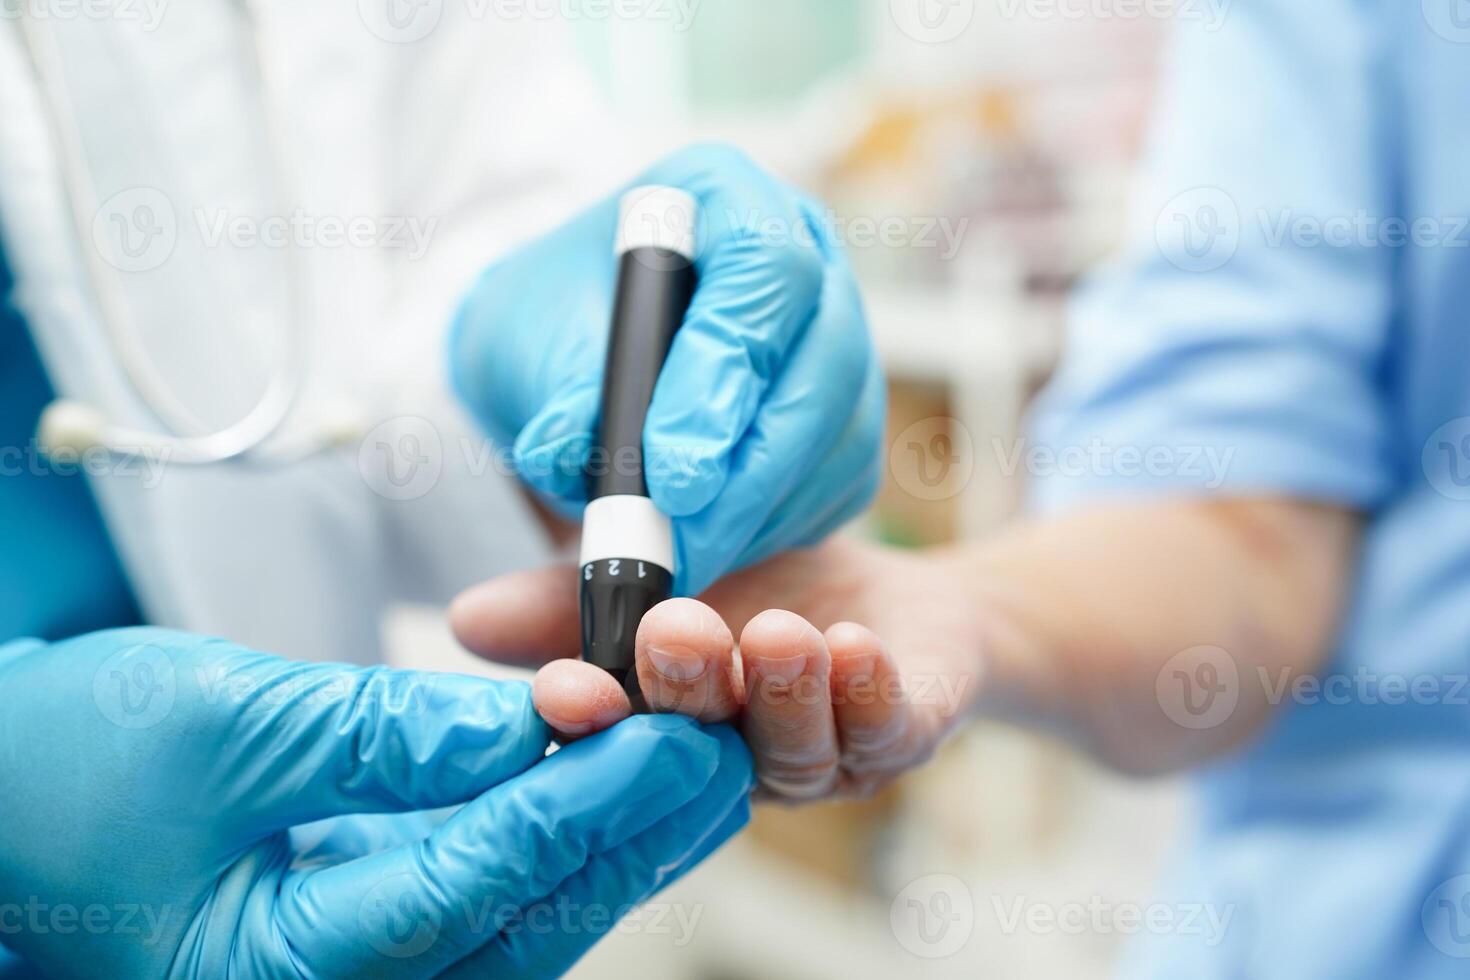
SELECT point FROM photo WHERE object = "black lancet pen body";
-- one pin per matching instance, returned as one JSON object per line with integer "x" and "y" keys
{"x": 627, "y": 545}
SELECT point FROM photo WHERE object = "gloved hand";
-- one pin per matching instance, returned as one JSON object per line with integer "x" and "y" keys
{"x": 150, "y": 778}
{"x": 765, "y": 426}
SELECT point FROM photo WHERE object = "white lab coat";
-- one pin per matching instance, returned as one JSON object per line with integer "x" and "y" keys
{"x": 473, "y": 129}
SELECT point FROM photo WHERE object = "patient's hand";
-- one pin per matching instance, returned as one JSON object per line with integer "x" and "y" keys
{"x": 827, "y": 707}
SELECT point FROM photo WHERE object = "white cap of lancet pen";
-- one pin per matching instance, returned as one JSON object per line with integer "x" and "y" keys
{"x": 657, "y": 217}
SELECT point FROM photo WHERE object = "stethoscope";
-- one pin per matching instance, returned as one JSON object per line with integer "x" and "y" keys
{"x": 77, "y": 427}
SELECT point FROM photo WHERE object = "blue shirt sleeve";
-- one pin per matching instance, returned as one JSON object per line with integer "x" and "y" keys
{"x": 1241, "y": 343}
{"x": 59, "y": 573}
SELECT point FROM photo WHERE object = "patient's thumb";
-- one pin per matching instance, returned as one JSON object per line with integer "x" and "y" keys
{"x": 527, "y": 618}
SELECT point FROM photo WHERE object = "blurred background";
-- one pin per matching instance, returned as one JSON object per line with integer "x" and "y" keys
{"x": 976, "y": 156}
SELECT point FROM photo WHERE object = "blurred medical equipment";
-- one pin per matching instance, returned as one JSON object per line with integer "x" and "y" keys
{"x": 76, "y": 426}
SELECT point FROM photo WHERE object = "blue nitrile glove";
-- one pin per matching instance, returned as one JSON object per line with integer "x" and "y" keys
{"x": 765, "y": 426}
{"x": 150, "y": 778}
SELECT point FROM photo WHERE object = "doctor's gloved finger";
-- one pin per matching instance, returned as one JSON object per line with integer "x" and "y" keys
{"x": 526, "y": 618}
{"x": 824, "y": 400}
{"x": 788, "y": 720}
{"x": 578, "y": 699}
{"x": 302, "y": 742}
{"x": 811, "y": 513}
{"x": 554, "y": 448}
{"x": 414, "y": 910}
{"x": 686, "y": 661}
{"x": 16, "y": 649}
{"x": 614, "y": 882}
{"x": 757, "y": 294}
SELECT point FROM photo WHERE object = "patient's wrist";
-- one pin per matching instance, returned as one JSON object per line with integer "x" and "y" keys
{"x": 1018, "y": 681}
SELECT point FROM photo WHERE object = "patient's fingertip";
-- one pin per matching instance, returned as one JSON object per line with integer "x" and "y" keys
{"x": 782, "y": 645}
{"x": 856, "y": 651}
{"x": 852, "y": 637}
{"x": 525, "y": 617}
{"x": 464, "y": 612}
{"x": 684, "y": 623}
{"x": 578, "y": 699}
{"x": 685, "y": 656}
